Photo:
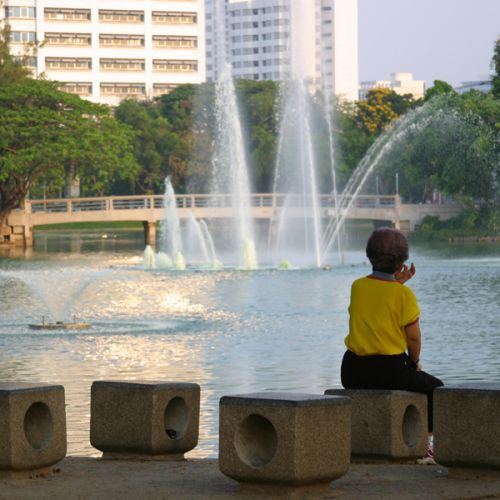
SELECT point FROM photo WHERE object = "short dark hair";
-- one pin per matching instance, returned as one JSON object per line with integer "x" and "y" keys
{"x": 387, "y": 249}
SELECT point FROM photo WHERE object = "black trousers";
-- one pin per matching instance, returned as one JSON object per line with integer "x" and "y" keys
{"x": 392, "y": 372}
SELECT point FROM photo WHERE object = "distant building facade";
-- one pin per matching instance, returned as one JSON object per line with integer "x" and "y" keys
{"x": 106, "y": 50}
{"x": 401, "y": 83}
{"x": 264, "y": 39}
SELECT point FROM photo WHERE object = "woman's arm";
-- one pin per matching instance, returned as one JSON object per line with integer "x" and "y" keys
{"x": 413, "y": 340}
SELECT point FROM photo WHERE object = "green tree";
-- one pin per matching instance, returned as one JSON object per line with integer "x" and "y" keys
{"x": 440, "y": 87}
{"x": 454, "y": 150}
{"x": 46, "y": 134}
{"x": 258, "y": 103}
{"x": 380, "y": 108}
{"x": 154, "y": 141}
{"x": 11, "y": 71}
{"x": 190, "y": 111}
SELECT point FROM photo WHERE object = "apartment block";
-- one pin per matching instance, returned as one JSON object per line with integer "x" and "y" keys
{"x": 274, "y": 39}
{"x": 107, "y": 50}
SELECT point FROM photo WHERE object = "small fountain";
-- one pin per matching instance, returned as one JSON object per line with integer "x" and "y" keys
{"x": 197, "y": 237}
{"x": 170, "y": 228}
{"x": 58, "y": 293}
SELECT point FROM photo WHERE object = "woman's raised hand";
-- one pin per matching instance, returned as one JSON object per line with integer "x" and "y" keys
{"x": 405, "y": 273}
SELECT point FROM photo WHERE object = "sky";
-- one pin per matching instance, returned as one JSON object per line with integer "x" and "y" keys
{"x": 450, "y": 40}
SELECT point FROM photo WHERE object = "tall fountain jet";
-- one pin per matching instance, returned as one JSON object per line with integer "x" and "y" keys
{"x": 230, "y": 170}
{"x": 298, "y": 224}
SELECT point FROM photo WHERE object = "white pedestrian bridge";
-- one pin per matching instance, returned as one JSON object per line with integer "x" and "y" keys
{"x": 149, "y": 209}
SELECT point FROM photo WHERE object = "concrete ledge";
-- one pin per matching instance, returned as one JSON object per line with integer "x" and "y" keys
{"x": 467, "y": 425}
{"x": 284, "y": 439}
{"x": 195, "y": 479}
{"x": 33, "y": 426}
{"x": 389, "y": 424}
{"x": 134, "y": 419}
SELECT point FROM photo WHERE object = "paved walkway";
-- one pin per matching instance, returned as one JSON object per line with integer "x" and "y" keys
{"x": 81, "y": 478}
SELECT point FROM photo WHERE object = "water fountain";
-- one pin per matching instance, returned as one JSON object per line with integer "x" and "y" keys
{"x": 58, "y": 292}
{"x": 406, "y": 124}
{"x": 230, "y": 172}
{"x": 296, "y": 233}
{"x": 297, "y": 225}
{"x": 170, "y": 230}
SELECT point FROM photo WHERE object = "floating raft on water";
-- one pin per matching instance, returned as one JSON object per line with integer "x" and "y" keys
{"x": 60, "y": 325}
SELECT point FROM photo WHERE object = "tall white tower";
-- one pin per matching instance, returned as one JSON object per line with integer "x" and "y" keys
{"x": 270, "y": 39}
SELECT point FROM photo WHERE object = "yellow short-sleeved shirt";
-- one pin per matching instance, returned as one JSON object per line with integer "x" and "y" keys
{"x": 378, "y": 313}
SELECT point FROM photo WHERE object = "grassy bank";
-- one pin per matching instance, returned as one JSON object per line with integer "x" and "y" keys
{"x": 460, "y": 229}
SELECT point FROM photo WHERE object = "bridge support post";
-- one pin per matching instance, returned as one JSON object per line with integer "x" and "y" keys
{"x": 149, "y": 233}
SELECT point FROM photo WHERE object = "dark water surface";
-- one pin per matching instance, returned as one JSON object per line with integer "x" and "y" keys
{"x": 230, "y": 331}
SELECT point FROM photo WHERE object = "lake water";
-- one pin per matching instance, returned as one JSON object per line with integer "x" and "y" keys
{"x": 229, "y": 331}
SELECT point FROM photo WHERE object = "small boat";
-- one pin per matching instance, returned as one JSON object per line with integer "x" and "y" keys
{"x": 60, "y": 325}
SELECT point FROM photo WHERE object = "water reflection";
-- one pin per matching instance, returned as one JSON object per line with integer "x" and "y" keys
{"x": 229, "y": 331}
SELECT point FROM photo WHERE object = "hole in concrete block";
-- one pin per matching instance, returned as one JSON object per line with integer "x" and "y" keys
{"x": 412, "y": 426}
{"x": 256, "y": 441}
{"x": 38, "y": 425}
{"x": 175, "y": 418}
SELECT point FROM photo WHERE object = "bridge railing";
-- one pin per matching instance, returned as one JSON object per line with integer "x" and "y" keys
{"x": 191, "y": 201}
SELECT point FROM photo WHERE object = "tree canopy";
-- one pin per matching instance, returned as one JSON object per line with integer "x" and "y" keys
{"x": 47, "y": 134}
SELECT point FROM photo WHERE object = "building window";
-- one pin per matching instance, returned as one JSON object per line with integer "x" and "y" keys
{"x": 123, "y": 89}
{"x": 20, "y": 12}
{"x": 175, "y": 42}
{"x": 174, "y": 65}
{"x": 80, "y": 88}
{"x": 27, "y": 61}
{"x": 121, "y": 40}
{"x": 121, "y": 64}
{"x": 22, "y": 36}
{"x": 163, "y": 88}
{"x": 67, "y": 38}
{"x": 68, "y": 63}
{"x": 174, "y": 17}
{"x": 67, "y": 14}
{"x": 121, "y": 16}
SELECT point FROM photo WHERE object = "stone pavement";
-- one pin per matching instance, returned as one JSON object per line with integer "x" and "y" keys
{"x": 93, "y": 478}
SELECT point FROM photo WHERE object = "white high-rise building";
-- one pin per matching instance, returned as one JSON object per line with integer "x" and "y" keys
{"x": 272, "y": 39}
{"x": 106, "y": 50}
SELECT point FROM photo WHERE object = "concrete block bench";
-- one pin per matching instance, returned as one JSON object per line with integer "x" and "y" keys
{"x": 467, "y": 425}
{"x": 389, "y": 424}
{"x": 144, "y": 420}
{"x": 32, "y": 428}
{"x": 284, "y": 440}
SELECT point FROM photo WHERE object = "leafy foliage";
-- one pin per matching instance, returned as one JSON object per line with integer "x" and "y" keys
{"x": 46, "y": 135}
